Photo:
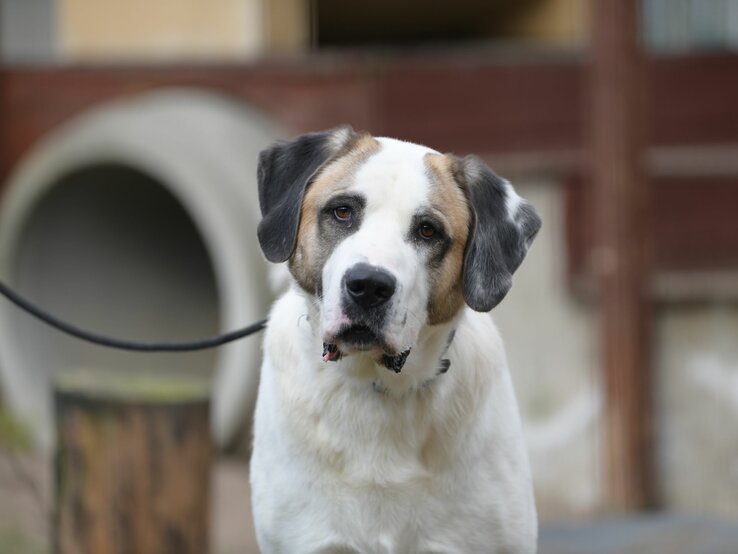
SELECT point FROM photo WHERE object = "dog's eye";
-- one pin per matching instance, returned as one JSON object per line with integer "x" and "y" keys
{"x": 342, "y": 213}
{"x": 426, "y": 231}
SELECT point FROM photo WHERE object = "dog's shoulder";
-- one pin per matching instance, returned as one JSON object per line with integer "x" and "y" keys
{"x": 288, "y": 331}
{"x": 477, "y": 334}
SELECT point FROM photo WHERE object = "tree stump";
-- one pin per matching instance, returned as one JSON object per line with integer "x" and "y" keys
{"x": 132, "y": 464}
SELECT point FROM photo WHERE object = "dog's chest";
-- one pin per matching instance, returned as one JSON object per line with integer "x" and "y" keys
{"x": 366, "y": 439}
{"x": 412, "y": 512}
{"x": 369, "y": 475}
{"x": 396, "y": 520}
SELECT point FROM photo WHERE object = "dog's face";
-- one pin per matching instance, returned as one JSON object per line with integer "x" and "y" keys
{"x": 388, "y": 236}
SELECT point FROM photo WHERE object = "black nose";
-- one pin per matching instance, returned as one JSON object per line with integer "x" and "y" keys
{"x": 369, "y": 286}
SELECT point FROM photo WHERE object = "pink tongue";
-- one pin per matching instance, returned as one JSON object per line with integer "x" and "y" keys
{"x": 331, "y": 353}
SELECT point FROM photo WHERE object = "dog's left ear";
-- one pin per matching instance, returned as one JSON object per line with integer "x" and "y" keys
{"x": 503, "y": 226}
{"x": 285, "y": 171}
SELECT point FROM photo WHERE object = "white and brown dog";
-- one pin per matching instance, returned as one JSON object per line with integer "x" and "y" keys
{"x": 386, "y": 420}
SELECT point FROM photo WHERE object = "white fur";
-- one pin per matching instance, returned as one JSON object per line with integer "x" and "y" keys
{"x": 395, "y": 184}
{"x": 512, "y": 201}
{"x": 432, "y": 464}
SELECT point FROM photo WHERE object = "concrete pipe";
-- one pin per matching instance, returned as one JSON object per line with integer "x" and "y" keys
{"x": 138, "y": 220}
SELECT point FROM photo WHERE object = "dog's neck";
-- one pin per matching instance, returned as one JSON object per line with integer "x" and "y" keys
{"x": 442, "y": 366}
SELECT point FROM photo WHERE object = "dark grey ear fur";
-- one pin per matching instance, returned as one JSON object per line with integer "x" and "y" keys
{"x": 285, "y": 170}
{"x": 498, "y": 241}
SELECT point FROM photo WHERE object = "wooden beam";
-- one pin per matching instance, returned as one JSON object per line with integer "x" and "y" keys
{"x": 4, "y": 127}
{"x": 685, "y": 236}
{"x": 529, "y": 106}
{"x": 621, "y": 202}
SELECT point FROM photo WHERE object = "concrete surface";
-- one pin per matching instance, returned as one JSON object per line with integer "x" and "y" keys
{"x": 137, "y": 219}
{"x": 658, "y": 533}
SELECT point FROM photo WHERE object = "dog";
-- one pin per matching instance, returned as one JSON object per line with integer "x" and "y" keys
{"x": 386, "y": 420}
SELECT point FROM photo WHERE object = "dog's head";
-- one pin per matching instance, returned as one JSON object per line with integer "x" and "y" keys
{"x": 389, "y": 236}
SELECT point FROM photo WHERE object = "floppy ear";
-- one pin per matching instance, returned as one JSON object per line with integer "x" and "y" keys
{"x": 503, "y": 226}
{"x": 285, "y": 171}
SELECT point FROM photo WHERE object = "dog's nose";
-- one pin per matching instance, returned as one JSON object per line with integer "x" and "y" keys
{"x": 369, "y": 286}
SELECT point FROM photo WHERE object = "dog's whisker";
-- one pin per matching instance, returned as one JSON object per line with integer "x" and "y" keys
{"x": 304, "y": 316}
{"x": 411, "y": 315}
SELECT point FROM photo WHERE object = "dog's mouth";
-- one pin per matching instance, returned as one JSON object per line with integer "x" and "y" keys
{"x": 360, "y": 338}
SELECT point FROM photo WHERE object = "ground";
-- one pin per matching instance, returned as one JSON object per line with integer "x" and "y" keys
{"x": 25, "y": 497}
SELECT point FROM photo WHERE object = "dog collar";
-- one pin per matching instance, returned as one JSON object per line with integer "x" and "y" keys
{"x": 443, "y": 366}
{"x": 331, "y": 353}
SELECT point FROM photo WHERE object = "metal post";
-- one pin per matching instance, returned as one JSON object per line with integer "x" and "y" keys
{"x": 621, "y": 201}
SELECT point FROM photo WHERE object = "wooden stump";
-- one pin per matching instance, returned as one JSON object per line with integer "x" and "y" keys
{"x": 132, "y": 464}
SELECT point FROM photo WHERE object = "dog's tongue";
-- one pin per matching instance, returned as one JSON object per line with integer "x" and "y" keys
{"x": 331, "y": 352}
{"x": 395, "y": 363}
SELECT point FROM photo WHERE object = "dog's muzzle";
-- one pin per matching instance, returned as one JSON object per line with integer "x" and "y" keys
{"x": 365, "y": 300}
{"x": 367, "y": 290}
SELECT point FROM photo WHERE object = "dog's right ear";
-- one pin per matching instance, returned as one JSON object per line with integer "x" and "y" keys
{"x": 285, "y": 171}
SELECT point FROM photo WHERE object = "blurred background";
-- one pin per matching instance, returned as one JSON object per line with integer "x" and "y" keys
{"x": 128, "y": 140}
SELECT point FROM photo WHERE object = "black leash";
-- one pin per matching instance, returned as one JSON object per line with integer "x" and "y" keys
{"x": 169, "y": 346}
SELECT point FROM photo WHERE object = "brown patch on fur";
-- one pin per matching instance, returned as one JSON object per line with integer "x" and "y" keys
{"x": 306, "y": 263}
{"x": 447, "y": 196}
